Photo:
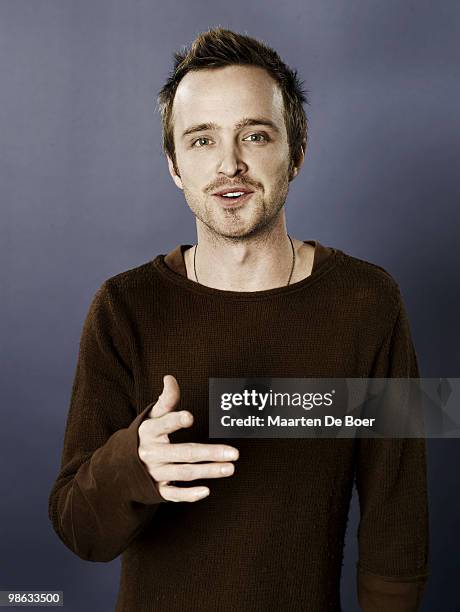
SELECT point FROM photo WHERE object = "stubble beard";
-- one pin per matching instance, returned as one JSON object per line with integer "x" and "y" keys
{"x": 233, "y": 223}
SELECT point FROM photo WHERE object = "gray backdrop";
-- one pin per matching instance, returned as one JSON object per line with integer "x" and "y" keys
{"x": 85, "y": 194}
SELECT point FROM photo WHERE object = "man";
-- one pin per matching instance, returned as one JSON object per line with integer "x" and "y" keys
{"x": 249, "y": 524}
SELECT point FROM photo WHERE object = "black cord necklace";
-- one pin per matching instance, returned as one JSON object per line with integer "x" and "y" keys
{"x": 290, "y": 275}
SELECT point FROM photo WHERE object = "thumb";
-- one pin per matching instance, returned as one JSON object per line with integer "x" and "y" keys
{"x": 169, "y": 397}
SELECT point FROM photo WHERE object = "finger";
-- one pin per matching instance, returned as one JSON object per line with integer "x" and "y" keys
{"x": 187, "y": 472}
{"x": 191, "y": 452}
{"x": 168, "y": 399}
{"x": 163, "y": 438}
{"x": 186, "y": 494}
{"x": 167, "y": 423}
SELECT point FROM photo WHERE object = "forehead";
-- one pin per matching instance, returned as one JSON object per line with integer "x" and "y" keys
{"x": 226, "y": 94}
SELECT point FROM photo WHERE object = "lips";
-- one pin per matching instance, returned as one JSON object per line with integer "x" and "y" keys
{"x": 233, "y": 201}
{"x": 233, "y": 190}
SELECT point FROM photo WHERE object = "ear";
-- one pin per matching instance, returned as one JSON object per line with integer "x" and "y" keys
{"x": 299, "y": 161}
{"x": 175, "y": 177}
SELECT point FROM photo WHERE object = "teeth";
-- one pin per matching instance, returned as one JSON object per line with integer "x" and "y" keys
{"x": 233, "y": 194}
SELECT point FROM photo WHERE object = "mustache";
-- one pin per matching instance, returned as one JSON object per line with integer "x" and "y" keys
{"x": 227, "y": 185}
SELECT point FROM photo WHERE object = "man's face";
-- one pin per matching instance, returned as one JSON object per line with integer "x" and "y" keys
{"x": 226, "y": 155}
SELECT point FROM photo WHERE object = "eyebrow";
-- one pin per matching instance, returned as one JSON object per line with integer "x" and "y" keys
{"x": 246, "y": 121}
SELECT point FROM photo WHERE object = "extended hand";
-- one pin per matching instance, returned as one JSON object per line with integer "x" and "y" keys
{"x": 166, "y": 462}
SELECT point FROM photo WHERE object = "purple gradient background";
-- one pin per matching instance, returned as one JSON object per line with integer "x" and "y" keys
{"x": 85, "y": 194}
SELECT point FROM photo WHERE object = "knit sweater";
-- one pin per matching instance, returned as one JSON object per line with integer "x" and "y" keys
{"x": 271, "y": 536}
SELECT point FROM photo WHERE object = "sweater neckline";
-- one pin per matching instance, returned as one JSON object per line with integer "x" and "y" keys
{"x": 325, "y": 258}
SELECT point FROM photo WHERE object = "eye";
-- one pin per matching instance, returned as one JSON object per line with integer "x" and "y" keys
{"x": 263, "y": 136}
{"x": 198, "y": 140}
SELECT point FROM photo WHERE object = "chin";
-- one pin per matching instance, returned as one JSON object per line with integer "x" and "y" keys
{"x": 237, "y": 223}
{"x": 239, "y": 230}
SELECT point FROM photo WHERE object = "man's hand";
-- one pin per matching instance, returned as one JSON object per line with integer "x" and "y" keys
{"x": 160, "y": 456}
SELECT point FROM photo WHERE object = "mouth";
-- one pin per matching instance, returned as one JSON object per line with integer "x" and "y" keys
{"x": 233, "y": 198}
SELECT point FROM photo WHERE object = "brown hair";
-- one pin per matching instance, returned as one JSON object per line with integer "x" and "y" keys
{"x": 219, "y": 47}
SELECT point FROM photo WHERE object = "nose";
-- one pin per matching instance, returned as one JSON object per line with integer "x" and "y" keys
{"x": 231, "y": 162}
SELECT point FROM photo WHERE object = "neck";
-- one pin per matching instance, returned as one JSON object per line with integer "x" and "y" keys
{"x": 253, "y": 263}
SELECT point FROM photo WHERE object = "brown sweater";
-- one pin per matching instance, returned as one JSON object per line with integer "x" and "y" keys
{"x": 271, "y": 536}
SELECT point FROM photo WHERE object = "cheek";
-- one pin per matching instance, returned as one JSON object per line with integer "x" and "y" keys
{"x": 269, "y": 160}
{"x": 197, "y": 169}
{"x": 273, "y": 170}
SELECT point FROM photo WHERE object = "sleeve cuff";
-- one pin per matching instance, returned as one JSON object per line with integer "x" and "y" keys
{"x": 145, "y": 489}
{"x": 390, "y": 594}
{"x": 130, "y": 479}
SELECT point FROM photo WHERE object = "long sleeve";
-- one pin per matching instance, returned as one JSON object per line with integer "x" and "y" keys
{"x": 393, "y": 534}
{"x": 103, "y": 495}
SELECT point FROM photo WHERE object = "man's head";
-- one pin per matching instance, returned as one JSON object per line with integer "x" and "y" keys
{"x": 244, "y": 106}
